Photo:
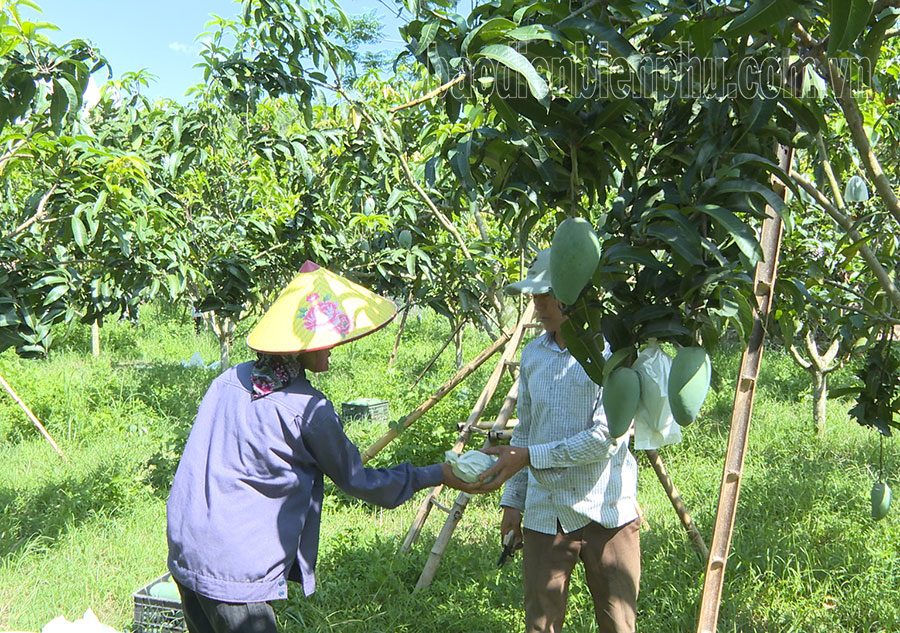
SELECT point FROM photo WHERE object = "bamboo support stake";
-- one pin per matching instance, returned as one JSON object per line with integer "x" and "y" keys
{"x": 400, "y": 329}
{"x": 764, "y": 285}
{"x": 412, "y": 535}
{"x": 694, "y": 535}
{"x": 486, "y": 394}
{"x": 438, "y": 355}
{"x": 462, "y": 499}
{"x": 446, "y": 388}
{"x": 31, "y": 416}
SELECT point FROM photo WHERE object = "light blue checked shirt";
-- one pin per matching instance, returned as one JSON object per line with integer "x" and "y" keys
{"x": 578, "y": 473}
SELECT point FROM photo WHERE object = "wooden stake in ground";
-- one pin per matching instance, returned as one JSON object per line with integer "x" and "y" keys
{"x": 763, "y": 284}
{"x": 462, "y": 499}
{"x": 438, "y": 355}
{"x": 31, "y": 416}
{"x": 400, "y": 329}
{"x": 694, "y": 535}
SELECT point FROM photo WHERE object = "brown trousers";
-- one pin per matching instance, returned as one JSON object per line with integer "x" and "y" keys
{"x": 612, "y": 566}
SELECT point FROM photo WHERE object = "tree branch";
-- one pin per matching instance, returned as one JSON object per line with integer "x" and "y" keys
{"x": 877, "y": 269}
{"x": 407, "y": 172}
{"x": 430, "y": 95}
{"x": 37, "y": 215}
{"x": 829, "y": 355}
{"x": 14, "y": 150}
{"x": 805, "y": 364}
{"x": 861, "y": 139}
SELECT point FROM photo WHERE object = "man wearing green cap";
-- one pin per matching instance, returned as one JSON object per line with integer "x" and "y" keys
{"x": 576, "y": 500}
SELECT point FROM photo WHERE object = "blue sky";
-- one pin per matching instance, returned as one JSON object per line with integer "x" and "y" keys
{"x": 160, "y": 35}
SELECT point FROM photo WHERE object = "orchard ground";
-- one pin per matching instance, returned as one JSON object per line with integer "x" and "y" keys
{"x": 806, "y": 555}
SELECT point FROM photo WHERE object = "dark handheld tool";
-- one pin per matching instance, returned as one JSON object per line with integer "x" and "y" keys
{"x": 509, "y": 547}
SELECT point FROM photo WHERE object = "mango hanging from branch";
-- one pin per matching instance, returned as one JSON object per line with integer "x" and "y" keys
{"x": 574, "y": 255}
{"x": 621, "y": 396}
{"x": 881, "y": 500}
{"x": 688, "y": 383}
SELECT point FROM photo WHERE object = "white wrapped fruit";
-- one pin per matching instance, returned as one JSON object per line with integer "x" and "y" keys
{"x": 469, "y": 465}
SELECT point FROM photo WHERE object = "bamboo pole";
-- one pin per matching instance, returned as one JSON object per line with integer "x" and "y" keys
{"x": 400, "y": 329}
{"x": 764, "y": 284}
{"x": 694, "y": 535}
{"x": 446, "y": 388}
{"x": 462, "y": 499}
{"x": 31, "y": 416}
{"x": 486, "y": 394}
{"x": 438, "y": 355}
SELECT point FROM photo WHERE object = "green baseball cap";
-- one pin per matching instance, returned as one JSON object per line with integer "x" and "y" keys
{"x": 537, "y": 277}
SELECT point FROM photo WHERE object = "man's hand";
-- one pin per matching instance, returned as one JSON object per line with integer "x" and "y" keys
{"x": 510, "y": 460}
{"x": 456, "y": 483}
{"x": 511, "y": 522}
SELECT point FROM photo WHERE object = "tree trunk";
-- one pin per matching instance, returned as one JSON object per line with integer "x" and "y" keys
{"x": 95, "y": 338}
{"x": 458, "y": 339}
{"x": 224, "y": 329}
{"x": 820, "y": 399}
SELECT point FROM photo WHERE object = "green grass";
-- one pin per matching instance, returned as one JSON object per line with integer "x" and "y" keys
{"x": 805, "y": 554}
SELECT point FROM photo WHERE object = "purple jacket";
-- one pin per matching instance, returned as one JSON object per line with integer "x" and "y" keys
{"x": 246, "y": 502}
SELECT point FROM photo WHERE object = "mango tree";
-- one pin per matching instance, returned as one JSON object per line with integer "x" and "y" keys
{"x": 79, "y": 212}
{"x": 658, "y": 123}
{"x": 379, "y": 173}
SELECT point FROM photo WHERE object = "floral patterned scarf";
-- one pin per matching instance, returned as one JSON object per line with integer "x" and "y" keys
{"x": 272, "y": 372}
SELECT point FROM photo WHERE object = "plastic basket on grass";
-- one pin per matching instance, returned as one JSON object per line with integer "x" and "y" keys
{"x": 366, "y": 408}
{"x": 157, "y": 609}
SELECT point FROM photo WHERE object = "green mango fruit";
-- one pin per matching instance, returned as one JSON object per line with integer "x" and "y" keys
{"x": 405, "y": 238}
{"x": 688, "y": 383}
{"x": 574, "y": 255}
{"x": 881, "y": 500}
{"x": 621, "y": 395}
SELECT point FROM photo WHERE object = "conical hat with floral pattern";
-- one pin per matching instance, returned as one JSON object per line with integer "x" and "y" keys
{"x": 318, "y": 310}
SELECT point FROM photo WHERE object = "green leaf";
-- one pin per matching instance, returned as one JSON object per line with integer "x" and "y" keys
{"x": 623, "y": 253}
{"x": 760, "y": 113}
{"x": 519, "y": 63}
{"x": 55, "y": 294}
{"x": 79, "y": 233}
{"x": 742, "y": 234}
{"x": 617, "y": 359}
{"x": 759, "y": 16}
{"x": 663, "y": 329}
{"x": 769, "y": 166}
{"x": 750, "y": 186}
{"x": 459, "y": 161}
{"x": 839, "y": 14}
{"x": 849, "y": 19}
{"x": 487, "y": 31}
{"x": 427, "y": 35}
{"x": 535, "y": 32}
{"x": 805, "y": 113}
{"x": 176, "y": 130}
{"x": 607, "y": 35}
{"x": 703, "y": 32}
{"x": 579, "y": 350}
{"x": 872, "y": 43}
{"x": 395, "y": 196}
{"x": 685, "y": 245}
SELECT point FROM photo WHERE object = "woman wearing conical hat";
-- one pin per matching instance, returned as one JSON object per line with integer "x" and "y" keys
{"x": 245, "y": 505}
